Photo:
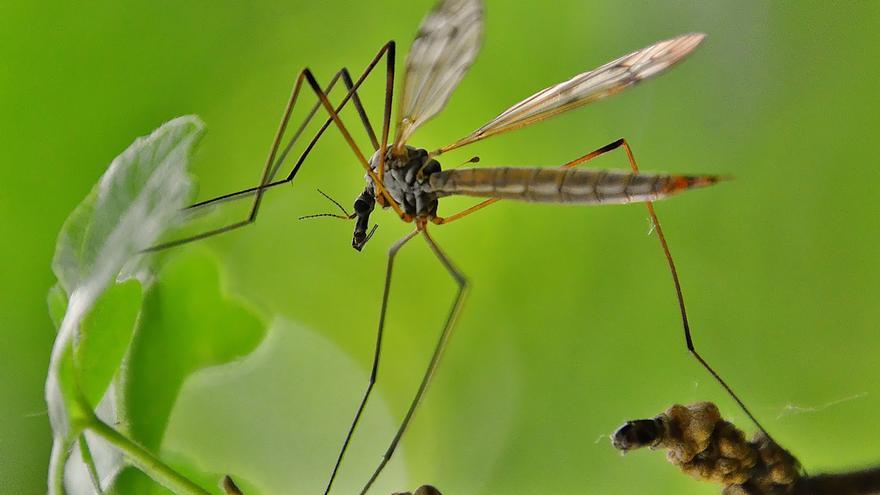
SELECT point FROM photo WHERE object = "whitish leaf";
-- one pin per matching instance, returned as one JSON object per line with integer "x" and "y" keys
{"x": 57, "y": 302}
{"x": 136, "y": 201}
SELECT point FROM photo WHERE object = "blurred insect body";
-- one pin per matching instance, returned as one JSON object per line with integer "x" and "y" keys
{"x": 709, "y": 448}
{"x": 410, "y": 181}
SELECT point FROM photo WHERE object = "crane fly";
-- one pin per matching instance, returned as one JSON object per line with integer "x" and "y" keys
{"x": 410, "y": 181}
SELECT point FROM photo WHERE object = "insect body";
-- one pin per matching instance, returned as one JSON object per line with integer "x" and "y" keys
{"x": 407, "y": 179}
{"x": 415, "y": 181}
{"x": 543, "y": 185}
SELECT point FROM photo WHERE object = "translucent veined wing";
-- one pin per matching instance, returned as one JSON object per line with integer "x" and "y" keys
{"x": 446, "y": 45}
{"x": 588, "y": 87}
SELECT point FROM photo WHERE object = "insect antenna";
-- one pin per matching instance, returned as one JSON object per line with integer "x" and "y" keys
{"x": 345, "y": 214}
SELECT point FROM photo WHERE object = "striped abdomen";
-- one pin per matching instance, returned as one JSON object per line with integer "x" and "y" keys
{"x": 555, "y": 185}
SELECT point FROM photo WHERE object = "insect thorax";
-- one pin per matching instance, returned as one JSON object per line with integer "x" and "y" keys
{"x": 406, "y": 179}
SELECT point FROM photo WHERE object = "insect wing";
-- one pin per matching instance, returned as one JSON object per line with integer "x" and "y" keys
{"x": 588, "y": 87}
{"x": 446, "y": 45}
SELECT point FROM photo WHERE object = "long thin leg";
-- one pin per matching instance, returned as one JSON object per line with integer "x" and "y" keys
{"x": 388, "y": 50}
{"x": 271, "y": 164}
{"x": 377, "y": 351}
{"x": 346, "y": 77}
{"x": 288, "y": 109}
{"x": 356, "y": 100}
{"x": 680, "y": 296}
{"x": 669, "y": 260}
{"x": 435, "y": 358}
{"x": 386, "y": 117}
{"x": 380, "y": 189}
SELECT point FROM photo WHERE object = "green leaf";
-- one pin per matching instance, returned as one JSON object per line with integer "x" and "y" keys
{"x": 187, "y": 324}
{"x": 136, "y": 200}
{"x": 77, "y": 409}
{"x": 104, "y": 336}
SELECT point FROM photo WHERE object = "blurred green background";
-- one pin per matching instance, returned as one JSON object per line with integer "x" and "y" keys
{"x": 571, "y": 327}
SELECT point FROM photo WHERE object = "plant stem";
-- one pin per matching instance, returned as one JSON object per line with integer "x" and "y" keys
{"x": 145, "y": 461}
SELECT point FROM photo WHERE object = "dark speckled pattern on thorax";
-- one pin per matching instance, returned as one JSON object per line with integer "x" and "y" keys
{"x": 406, "y": 179}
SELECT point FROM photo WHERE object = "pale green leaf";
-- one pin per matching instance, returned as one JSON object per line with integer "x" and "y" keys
{"x": 187, "y": 324}
{"x": 105, "y": 334}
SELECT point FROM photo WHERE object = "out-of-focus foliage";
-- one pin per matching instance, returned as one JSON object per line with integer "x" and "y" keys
{"x": 571, "y": 326}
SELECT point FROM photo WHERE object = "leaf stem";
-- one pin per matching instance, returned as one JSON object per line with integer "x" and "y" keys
{"x": 145, "y": 461}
